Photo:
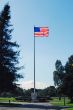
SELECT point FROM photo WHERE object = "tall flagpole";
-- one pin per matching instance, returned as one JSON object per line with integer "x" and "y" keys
{"x": 33, "y": 95}
{"x": 34, "y": 64}
{"x": 44, "y": 30}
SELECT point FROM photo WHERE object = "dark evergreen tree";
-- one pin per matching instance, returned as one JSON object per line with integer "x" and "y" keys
{"x": 8, "y": 53}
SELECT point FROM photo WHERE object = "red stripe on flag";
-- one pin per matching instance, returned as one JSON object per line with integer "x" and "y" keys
{"x": 44, "y": 31}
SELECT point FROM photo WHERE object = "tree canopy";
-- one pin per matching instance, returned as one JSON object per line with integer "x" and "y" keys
{"x": 63, "y": 77}
{"x": 8, "y": 55}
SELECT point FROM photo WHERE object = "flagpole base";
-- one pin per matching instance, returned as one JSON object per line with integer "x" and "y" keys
{"x": 34, "y": 97}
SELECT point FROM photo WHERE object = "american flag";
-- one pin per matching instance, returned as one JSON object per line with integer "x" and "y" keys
{"x": 41, "y": 31}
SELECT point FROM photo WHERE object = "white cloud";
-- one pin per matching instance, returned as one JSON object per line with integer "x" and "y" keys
{"x": 30, "y": 84}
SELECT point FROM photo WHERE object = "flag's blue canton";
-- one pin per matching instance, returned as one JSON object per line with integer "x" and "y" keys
{"x": 36, "y": 29}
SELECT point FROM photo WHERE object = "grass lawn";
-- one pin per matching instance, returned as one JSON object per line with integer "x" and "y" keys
{"x": 3, "y": 99}
{"x": 58, "y": 102}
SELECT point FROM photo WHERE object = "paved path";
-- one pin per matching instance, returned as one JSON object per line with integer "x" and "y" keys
{"x": 31, "y": 106}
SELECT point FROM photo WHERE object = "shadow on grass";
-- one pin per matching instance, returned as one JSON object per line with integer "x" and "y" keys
{"x": 33, "y": 105}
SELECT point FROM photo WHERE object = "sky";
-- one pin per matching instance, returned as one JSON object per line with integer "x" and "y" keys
{"x": 57, "y": 15}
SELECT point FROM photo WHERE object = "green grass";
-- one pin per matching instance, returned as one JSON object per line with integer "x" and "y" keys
{"x": 3, "y": 99}
{"x": 58, "y": 102}
{"x": 69, "y": 109}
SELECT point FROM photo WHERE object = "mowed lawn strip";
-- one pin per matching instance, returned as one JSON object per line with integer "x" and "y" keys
{"x": 58, "y": 102}
{"x": 6, "y": 99}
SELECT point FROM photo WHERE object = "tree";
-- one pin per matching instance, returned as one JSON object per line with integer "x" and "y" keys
{"x": 58, "y": 77}
{"x": 63, "y": 77}
{"x": 52, "y": 91}
{"x": 68, "y": 79}
{"x": 58, "y": 73}
{"x": 8, "y": 53}
{"x": 19, "y": 92}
